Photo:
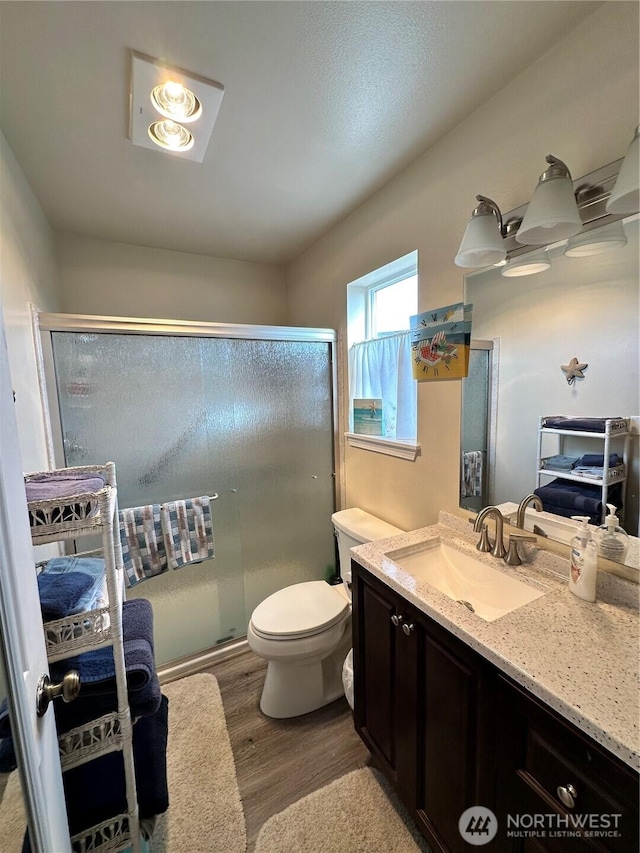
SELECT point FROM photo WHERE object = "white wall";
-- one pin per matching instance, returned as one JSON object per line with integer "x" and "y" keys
{"x": 579, "y": 102}
{"x": 120, "y": 280}
{"x": 27, "y": 275}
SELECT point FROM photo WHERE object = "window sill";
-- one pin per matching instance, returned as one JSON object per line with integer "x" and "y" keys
{"x": 388, "y": 446}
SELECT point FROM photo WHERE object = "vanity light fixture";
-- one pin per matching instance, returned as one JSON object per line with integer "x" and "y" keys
{"x": 483, "y": 243}
{"x": 165, "y": 99}
{"x": 552, "y": 213}
{"x": 597, "y": 241}
{"x": 625, "y": 195}
{"x": 528, "y": 264}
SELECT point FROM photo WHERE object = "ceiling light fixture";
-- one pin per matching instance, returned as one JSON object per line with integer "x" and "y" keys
{"x": 163, "y": 100}
{"x": 552, "y": 213}
{"x": 625, "y": 195}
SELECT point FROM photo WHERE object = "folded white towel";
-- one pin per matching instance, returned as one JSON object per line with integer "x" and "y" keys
{"x": 187, "y": 531}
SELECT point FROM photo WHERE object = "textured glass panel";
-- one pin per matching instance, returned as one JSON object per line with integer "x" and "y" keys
{"x": 185, "y": 416}
{"x": 285, "y": 463}
{"x": 161, "y": 408}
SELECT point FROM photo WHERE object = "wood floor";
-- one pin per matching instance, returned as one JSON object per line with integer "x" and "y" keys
{"x": 280, "y": 761}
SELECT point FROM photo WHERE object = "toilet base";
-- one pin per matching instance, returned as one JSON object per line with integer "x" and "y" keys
{"x": 293, "y": 688}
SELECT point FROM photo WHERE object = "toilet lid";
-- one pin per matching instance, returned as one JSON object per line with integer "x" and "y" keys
{"x": 299, "y": 610}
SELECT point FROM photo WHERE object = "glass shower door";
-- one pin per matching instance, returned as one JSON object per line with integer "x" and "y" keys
{"x": 182, "y": 416}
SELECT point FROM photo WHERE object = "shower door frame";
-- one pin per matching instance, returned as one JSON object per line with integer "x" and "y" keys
{"x": 50, "y": 322}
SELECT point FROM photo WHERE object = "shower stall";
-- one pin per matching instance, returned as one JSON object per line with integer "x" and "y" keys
{"x": 187, "y": 409}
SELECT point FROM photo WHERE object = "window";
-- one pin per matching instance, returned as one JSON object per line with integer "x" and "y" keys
{"x": 379, "y": 306}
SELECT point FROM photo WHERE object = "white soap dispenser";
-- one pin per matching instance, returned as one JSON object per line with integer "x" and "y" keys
{"x": 612, "y": 540}
{"x": 583, "y": 570}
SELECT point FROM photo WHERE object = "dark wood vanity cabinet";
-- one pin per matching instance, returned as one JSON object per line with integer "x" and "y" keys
{"x": 546, "y": 766}
{"x": 421, "y": 701}
{"x": 451, "y": 732}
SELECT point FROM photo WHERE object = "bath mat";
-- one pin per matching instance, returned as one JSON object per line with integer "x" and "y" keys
{"x": 358, "y": 813}
{"x": 205, "y": 811}
{"x": 13, "y": 820}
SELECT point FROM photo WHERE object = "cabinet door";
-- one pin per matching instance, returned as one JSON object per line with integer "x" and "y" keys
{"x": 453, "y": 769}
{"x": 539, "y": 758}
{"x": 375, "y": 673}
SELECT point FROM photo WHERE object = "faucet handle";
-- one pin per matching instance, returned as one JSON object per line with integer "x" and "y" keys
{"x": 484, "y": 543}
{"x": 513, "y": 557}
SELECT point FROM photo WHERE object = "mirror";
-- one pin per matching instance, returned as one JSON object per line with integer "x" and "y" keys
{"x": 581, "y": 307}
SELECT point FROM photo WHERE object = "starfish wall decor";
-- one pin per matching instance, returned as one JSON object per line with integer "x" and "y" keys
{"x": 574, "y": 370}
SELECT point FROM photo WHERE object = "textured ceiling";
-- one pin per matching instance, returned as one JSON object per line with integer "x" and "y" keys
{"x": 324, "y": 103}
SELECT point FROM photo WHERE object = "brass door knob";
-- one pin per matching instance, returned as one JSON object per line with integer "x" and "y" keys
{"x": 68, "y": 689}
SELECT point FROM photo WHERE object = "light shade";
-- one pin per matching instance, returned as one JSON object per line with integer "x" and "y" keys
{"x": 528, "y": 264}
{"x": 597, "y": 241}
{"x": 625, "y": 195}
{"x": 552, "y": 213}
{"x": 482, "y": 243}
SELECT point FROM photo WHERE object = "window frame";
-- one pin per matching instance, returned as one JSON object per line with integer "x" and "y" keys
{"x": 360, "y": 325}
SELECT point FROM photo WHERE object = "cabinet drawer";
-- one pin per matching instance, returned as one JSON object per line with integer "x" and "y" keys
{"x": 562, "y": 763}
{"x": 566, "y": 772}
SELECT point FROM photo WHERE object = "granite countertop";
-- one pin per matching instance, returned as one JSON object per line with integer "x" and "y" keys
{"x": 578, "y": 657}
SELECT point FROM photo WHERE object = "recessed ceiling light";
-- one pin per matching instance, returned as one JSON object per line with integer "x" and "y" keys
{"x": 168, "y": 134}
{"x": 175, "y": 101}
{"x": 163, "y": 99}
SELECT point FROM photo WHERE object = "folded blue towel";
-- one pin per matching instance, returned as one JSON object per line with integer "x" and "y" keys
{"x": 8, "y": 761}
{"x": 97, "y": 673}
{"x": 569, "y": 512}
{"x": 91, "y": 566}
{"x": 577, "y": 498}
{"x": 561, "y": 461}
{"x": 591, "y": 460}
{"x": 95, "y": 791}
{"x": 582, "y": 424}
{"x": 60, "y": 594}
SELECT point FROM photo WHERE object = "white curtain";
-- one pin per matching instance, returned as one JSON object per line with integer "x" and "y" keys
{"x": 381, "y": 368}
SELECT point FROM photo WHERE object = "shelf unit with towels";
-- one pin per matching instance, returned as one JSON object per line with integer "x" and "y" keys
{"x": 74, "y": 517}
{"x": 613, "y": 429}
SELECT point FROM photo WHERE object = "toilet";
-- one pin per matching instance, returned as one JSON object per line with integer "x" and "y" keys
{"x": 304, "y": 631}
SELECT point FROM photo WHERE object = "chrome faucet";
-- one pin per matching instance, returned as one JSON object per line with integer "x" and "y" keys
{"x": 479, "y": 526}
{"x": 524, "y": 503}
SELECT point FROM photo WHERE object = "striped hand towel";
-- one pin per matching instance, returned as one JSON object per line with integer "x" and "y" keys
{"x": 143, "y": 550}
{"x": 188, "y": 532}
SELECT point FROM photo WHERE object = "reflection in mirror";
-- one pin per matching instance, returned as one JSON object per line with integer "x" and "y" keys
{"x": 583, "y": 307}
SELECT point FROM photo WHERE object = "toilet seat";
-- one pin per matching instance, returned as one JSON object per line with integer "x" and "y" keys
{"x": 299, "y": 611}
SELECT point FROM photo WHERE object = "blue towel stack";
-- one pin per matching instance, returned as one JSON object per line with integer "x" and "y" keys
{"x": 92, "y": 567}
{"x": 97, "y": 673}
{"x": 60, "y": 594}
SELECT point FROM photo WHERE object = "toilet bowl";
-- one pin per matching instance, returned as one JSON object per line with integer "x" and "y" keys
{"x": 304, "y": 631}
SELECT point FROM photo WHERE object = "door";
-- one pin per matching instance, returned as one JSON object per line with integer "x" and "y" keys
{"x": 23, "y": 641}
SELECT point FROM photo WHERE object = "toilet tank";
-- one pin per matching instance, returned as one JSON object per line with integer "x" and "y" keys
{"x": 355, "y": 527}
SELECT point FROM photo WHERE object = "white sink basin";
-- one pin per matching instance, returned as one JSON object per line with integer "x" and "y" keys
{"x": 487, "y": 592}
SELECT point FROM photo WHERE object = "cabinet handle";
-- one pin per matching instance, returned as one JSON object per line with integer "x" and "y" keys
{"x": 397, "y": 620}
{"x": 408, "y": 628}
{"x": 567, "y": 795}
